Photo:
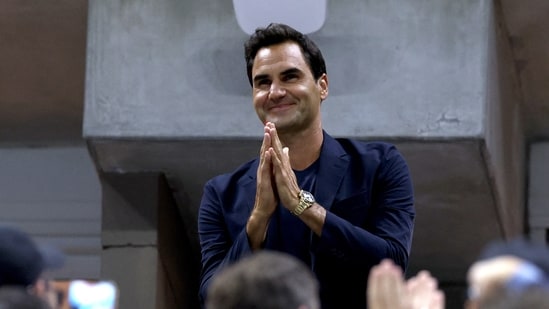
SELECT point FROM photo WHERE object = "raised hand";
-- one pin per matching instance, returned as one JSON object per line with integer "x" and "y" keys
{"x": 386, "y": 287}
{"x": 284, "y": 177}
{"x": 424, "y": 293}
{"x": 265, "y": 196}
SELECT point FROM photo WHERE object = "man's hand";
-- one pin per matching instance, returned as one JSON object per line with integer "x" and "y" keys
{"x": 386, "y": 287}
{"x": 286, "y": 182}
{"x": 265, "y": 198}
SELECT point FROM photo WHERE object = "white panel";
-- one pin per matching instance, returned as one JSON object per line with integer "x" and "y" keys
{"x": 78, "y": 267}
{"x": 50, "y": 210}
{"x": 58, "y": 227}
{"x": 54, "y": 194}
{"x": 48, "y": 174}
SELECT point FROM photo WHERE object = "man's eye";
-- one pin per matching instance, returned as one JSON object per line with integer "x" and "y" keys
{"x": 291, "y": 76}
{"x": 263, "y": 82}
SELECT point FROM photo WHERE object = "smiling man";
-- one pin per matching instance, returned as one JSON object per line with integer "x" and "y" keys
{"x": 339, "y": 205}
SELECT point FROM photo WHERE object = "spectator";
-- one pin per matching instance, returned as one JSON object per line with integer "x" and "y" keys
{"x": 516, "y": 270}
{"x": 23, "y": 262}
{"x": 267, "y": 280}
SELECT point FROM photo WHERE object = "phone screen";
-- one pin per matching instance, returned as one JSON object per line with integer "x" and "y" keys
{"x": 84, "y": 294}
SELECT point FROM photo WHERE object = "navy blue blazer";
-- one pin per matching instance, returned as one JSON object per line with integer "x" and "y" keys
{"x": 367, "y": 191}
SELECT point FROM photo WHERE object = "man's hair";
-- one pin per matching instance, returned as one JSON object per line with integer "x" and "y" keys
{"x": 279, "y": 33}
{"x": 267, "y": 280}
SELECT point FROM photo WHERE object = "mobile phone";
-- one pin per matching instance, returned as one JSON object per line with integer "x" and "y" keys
{"x": 85, "y": 294}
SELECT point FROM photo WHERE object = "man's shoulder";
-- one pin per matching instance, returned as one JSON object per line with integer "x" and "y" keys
{"x": 376, "y": 148}
{"x": 243, "y": 172}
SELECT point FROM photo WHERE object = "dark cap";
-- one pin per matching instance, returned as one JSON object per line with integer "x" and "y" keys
{"x": 22, "y": 261}
{"x": 537, "y": 254}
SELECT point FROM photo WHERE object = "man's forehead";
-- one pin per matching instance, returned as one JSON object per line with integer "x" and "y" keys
{"x": 286, "y": 51}
{"x": 276, "y": 59}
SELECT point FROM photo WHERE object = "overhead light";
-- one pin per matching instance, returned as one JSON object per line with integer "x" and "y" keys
{"x": 306, "y": 16}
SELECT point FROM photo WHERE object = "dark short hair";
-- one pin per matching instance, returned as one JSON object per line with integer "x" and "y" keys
{"x": 279, "y": 33}
{"x": 266, "y": 279}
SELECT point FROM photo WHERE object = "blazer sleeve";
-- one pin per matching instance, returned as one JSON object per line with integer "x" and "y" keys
{"x": 387, "y": 229}
{"x": 218, "y": 247}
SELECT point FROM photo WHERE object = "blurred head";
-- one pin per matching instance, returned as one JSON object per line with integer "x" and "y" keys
{"x": 507, "y": 269}
{"x": 268, "y": 280}
{"x": 22, "y": 261}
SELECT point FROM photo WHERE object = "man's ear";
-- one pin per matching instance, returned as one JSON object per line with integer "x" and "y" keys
{"x": 323, "y": 86}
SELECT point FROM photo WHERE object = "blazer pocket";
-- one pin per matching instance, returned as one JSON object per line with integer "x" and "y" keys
{"x": 353, "y": 209}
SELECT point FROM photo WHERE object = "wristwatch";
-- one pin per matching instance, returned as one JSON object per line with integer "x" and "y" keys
{"x": 306, "y": 200}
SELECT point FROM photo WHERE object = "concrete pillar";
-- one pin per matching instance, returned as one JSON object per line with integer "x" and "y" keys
{"x": 145, "y": 248}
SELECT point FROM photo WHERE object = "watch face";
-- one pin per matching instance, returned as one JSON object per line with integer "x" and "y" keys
{"x": 308, "y": 197}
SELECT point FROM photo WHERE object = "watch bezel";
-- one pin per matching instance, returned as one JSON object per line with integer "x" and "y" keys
{"x": 306, "y": 200}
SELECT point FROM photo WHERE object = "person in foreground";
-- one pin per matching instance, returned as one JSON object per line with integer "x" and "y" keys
{"x": 268, "y": 280}
{"x": 23, "y": 264}
{"x": 338, "y": 205}
{"x": 510, "y": 275}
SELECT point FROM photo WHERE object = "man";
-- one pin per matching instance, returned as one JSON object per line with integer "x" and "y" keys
{"x": 23, "y": 262}
{"x": 340, "y": 206}
{"x": 508, "y": 273}
{"x": 267, "y": 280}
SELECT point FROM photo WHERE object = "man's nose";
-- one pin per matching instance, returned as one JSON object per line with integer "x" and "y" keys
{"x": 277, "y": 91}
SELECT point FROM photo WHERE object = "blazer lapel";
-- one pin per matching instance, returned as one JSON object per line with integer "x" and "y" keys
{"x": 333, "y": 164}
{"x": 332, "y": 167}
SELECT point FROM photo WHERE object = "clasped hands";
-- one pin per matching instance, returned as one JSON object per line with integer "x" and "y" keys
{"x": 276, "y": 181}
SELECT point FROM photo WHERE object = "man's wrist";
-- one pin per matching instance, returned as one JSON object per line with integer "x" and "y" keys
{"x": 306, "y": 200}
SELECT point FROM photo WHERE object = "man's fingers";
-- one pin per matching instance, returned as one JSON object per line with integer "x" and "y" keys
{"x": 275, "y": 140}
{"x": 266, "y": 143}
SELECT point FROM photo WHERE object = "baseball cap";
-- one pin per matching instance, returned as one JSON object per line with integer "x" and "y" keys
{"x": 22, "y": 261}
{"x": 520, "y": 247}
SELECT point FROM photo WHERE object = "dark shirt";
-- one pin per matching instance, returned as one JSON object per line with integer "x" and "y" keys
{"x": 367, "y": 192}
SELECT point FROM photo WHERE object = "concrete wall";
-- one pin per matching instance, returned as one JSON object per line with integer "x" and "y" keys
{"x": 175, "y": 69}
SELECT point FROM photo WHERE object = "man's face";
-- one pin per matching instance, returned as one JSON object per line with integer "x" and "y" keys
{"x": 284, "y": 89}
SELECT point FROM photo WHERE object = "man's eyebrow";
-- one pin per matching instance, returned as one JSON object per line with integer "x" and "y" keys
{"x": 285, "y": 72}
{"x": 260, "y": 77}
{"x": 291, "y": 71}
